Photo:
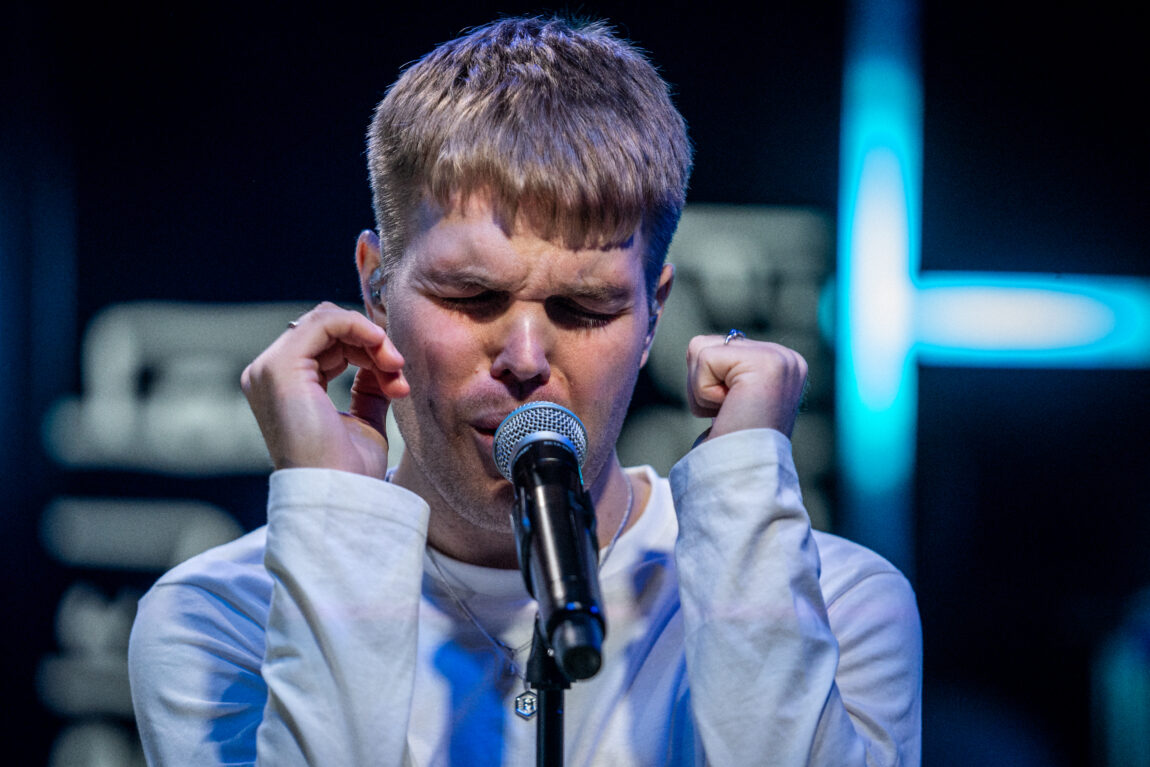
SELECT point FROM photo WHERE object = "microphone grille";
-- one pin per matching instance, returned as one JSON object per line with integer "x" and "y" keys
{"x": 532, "y": 419}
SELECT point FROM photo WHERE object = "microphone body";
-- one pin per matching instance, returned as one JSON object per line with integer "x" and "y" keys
{"x": 539, "y": 448}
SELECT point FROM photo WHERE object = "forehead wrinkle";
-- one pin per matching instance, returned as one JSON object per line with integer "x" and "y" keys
{"x": 588, "y": 275}
{"x": 464, "y": 246}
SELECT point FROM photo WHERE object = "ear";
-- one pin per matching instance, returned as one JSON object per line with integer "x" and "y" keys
{"x": 371, "y": 283}
{"x": 662, "y": 290}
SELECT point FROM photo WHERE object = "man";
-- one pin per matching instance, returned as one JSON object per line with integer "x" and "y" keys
{"x": 527, "y": 179}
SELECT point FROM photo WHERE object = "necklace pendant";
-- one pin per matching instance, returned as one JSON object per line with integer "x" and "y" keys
{"x": 525, "y": 704}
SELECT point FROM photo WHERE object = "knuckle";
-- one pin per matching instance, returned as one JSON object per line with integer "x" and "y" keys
{"x": 702, "y": 352}
{"x": 249, "y": 380}
{"x": 696, "y": 345}
{"x": 254, "y": 374}
{"x": 317, "y": 312}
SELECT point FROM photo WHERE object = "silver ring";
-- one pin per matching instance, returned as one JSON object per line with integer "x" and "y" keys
{"x": 293, "y": 325}
{"x": 732, "y": 334}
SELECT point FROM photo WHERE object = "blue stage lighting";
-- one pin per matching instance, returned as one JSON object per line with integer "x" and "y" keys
{"x": 891, "y": 317}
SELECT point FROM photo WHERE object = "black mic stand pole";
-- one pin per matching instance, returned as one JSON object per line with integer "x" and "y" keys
{"x": 549, "y": 681}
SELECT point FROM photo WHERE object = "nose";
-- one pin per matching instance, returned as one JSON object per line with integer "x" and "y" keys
{"x": 522, "y": 349}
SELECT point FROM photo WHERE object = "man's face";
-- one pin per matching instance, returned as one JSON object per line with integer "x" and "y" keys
{"x": 487, "y": 321}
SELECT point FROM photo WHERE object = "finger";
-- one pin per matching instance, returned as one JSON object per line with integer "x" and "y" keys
{"x": 744, "y": 384}
{"x": 328, "y": 325}
{"x": 705, "y": 390}
{"x": 699, "y": 409}
{"x": 369, "y": 403}
{"x": 711, "y": 380}
{"x": 330, "y": 338}
{"x": 384, "y": 363}
{"x": 336, "y": 358}
{"x": 332, "y": 371}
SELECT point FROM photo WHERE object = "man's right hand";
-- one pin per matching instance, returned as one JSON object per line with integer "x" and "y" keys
{"x": 286, "y": 387}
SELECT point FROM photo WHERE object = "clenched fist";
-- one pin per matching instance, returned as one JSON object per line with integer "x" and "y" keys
{"x": 744, "y": 384}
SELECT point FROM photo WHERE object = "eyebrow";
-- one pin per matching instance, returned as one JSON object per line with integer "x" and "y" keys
{"x": 464, "y": 277}
{"x": 600, "y": 293}
{"x": 479, "y": 279}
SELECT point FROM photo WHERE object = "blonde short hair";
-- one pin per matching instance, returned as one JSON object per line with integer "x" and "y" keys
{"x": 563, "y": 124}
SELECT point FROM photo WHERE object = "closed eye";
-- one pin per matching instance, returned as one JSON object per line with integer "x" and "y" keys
{"x": 564, "y": 312}
{"x": 570, "y": 314}
{"x": 483, "y": 305}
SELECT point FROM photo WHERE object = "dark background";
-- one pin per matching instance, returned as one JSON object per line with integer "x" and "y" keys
{"x": 215, "y": 153}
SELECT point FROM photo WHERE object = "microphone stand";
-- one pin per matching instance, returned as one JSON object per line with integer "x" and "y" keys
{"x": 573, "y": 651}
{"x": 549, "y": 681}
{"x": 553, "y": 521}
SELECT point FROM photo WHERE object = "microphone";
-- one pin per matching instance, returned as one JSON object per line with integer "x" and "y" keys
{"x": 540, "y": 448}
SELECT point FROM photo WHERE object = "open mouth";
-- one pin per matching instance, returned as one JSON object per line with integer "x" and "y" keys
{"x": 488, "y": 424}
{"x": 485, "y": 436}
{"x": 484, "y": 431}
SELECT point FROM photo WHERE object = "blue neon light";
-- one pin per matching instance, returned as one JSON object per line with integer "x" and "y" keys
{"x": 1017, "y": 320}
{"x": 891, "y": 317}
{"x": 879, "y": 202}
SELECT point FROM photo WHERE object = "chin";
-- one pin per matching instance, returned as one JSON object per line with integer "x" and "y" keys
{"x": 486, "y": 503}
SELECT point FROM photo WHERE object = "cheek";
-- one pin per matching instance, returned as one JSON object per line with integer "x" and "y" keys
{"x": 437, "y": 351}
{"x": 452, "y": 347}
{"x": 438, "y": 359}
{"x": 602, "y": 377}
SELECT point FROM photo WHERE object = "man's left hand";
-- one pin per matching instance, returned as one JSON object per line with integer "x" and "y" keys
{"x": 744, "y": 384}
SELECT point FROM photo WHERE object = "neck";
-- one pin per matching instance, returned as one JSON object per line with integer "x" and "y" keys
{"x": 456, "y": 535}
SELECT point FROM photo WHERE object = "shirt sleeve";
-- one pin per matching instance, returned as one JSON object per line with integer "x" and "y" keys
{"x": 788, "y": 665}
{"x": 310, "y": 663}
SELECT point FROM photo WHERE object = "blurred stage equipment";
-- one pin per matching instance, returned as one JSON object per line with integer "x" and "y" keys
{"x": 1120, "y": 691}
{"x": 161, "y": 397}
{"x": 763, "y": 270}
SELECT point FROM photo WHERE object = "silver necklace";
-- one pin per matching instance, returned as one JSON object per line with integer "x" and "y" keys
{"x": 622, "y": 523}
{"x": 526, "y": 702}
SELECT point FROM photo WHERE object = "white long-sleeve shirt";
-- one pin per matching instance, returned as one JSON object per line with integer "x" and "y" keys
{"x": 736, "y": 636}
